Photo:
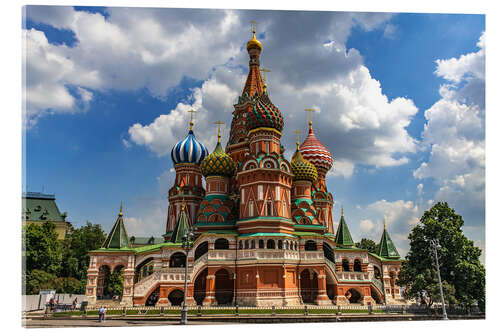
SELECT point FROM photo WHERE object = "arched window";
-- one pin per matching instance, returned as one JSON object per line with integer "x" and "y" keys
{"x": 246, "y": 244}
{"x": 200, "y": 250}
{"x": 252, "y": 246}
{"x": 261, "y": 243}
{"x": 270, "y": 244}
{"x": 286, "y": 245}
{"x": 221, "y": 244}
{"x": 280, "y": 244}
{"x": 250, "y": 208}
{"x": 240, "y": 245}
{"x": 345, "y": 265}
{"x": 376, "y": 272}
{"x": 269, "y": 207}
{"x": 357, "y": 265}
{"x": 178, "y": 259}
{"x": 310, "y": 246}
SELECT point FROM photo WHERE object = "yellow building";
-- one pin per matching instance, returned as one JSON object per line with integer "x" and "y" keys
{"x": 40, "y": 208}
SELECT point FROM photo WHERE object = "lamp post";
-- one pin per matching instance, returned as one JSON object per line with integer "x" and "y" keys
{"x": 187, "y": 244}
{"x": 435, "y": 246}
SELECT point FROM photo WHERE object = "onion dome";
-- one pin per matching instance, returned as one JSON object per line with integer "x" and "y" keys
{"x": 315, "y": 152}
{"x": 218, "y": 163}
{"x": 189, "y": 150}
{"x": 301, "y": 168}
{"x": 265, "y": 114}
{"x": 254, "y": 43}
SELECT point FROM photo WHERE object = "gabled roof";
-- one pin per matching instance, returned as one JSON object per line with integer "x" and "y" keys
{"x": 386, "y": 248}
{"x": 343, "y": 237}
{"x": 181, "y": 227}
{"x": 118, "y": 237}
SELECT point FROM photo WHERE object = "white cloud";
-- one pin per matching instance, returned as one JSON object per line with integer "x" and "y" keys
{"x": 454, "y": 134}
{"x": 420, "y": 189}
{"x": 366, "y": 226}
{"x": 140, "y": 47}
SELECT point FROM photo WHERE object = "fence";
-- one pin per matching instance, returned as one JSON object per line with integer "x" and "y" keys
{"x": 306, "y": 310}
{"x": 37, "y": 302}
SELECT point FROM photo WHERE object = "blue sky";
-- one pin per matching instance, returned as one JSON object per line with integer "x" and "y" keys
{"x": 400, "y": 100}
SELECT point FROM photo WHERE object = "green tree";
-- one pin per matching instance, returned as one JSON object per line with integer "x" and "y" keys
{"x": 462, "y": 273}
{"x": 41, "y": 249}
{"x": 114, "y": 285}
{"x": 37, "y": 280}
{"x": 367, "y": 244}
{"x": 76, "y": 249}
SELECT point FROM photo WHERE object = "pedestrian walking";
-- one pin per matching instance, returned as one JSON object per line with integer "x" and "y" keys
{"x": 75, "y": 302}
{"x": 104, "y": 314}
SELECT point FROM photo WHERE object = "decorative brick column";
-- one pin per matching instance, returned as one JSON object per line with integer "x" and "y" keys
{"x": 210, "y": 291}
{"x": 322, "y": 298}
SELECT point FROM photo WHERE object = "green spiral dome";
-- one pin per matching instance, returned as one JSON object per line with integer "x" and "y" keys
{"x": 218, "y": 163}
{"x": 302, "y": 169}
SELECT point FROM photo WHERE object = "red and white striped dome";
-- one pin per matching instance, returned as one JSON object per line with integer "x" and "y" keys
{"x": 315, "y": 152}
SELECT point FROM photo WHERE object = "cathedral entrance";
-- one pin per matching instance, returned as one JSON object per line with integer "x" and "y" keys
{"x": 103, "y": 291}
{"x": 224, "y": 287}
{"x": 200, "y": 287}
{"x": 308, "y": 286}
{"x": 176, "y": 297}
{"x": 153, "y": 297}
{"x": 353, "y": 296}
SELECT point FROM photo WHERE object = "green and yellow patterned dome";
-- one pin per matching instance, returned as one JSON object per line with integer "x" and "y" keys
{"x": 218, "y": 163}
{"x": 301, "y": 168}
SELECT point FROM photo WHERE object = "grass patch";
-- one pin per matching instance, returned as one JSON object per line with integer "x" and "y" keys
{"x": 68, "y": 313}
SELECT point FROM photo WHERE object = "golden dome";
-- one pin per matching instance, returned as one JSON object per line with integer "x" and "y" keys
{"x": 254, "y": 43}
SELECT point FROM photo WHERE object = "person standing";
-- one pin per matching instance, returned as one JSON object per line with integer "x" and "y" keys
{"x": 101, "y": 313}
{"x": 104, "y": 314}
{"x": 75, "y": 302}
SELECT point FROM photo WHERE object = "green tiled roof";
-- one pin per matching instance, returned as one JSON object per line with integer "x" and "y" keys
{"x": 118, "y": 237}
{"x": 180, "y": 228}
{"x": 386, "y": 248}
{"x": 145, "y": 240}
{"x": 343, "y": 237}
{"x": 41, "y": 207}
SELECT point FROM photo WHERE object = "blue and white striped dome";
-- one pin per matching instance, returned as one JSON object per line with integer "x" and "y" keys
{"x": 189, "y": 150}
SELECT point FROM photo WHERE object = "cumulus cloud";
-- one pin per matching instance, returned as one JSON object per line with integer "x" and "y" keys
{"x": 400, "y": 217}
{"x": 454, "y": 135}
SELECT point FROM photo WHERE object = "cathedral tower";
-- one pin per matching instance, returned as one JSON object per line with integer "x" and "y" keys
{"x": 186, "y": 155}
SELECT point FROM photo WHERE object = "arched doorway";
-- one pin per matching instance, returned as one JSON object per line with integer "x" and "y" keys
{"x": 144, "y": 269}
{"x": 200, "y": 250}
{"x": 357, "y": 265}
{"x": 103, "y": 290}
{"x": 115, "y": 286}
{"x": 153, "y": 297}
{"x": 392, "y": 276}
{"x": 353, "y": 296}
{"x": 178, "y": 259}
{"x": 200, "y": 287}
{"x": 308, "y": 286}
{"x": 345, "y": 265}
{"x": 176, "y": 297}
{"x": 376, "y": 273}
{"x": 331, "y": 284}
{"x": 224, "y": 287}
{"x": 221, "y": 244}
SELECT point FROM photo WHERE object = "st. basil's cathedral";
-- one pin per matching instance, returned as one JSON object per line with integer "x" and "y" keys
{"x": 262, "y": 225}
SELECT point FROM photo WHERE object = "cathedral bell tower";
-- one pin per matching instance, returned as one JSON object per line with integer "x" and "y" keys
{"x": 186, "y": 155}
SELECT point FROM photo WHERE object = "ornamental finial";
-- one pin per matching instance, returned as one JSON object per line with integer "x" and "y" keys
{"x": 385, "y": 225}
{"x": 342, "y": 211}
{"x": 310, "y": 112}
{"x": 254, "y": 23}
{"x": 191, "y": 121}
{"x": 121, "y": 209}
{"x": 218, "y": 122}
{"x": 298, "y": 143}
{"x": 183, "y": 205}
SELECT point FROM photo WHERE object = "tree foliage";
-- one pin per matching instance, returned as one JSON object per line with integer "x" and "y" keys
{"x": 367, "y": 244}
{"x": 462, "y": 273}
{"x": 42, "y": 250}
{"x": 53, "y": 264}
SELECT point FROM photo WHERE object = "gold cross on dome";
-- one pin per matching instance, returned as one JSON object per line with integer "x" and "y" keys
{"x": 310, "y": 113}
{"x": 218, "y": 123}
{"x": 264, "y": 71}
{"x": 191, "y": 121}
{"x": 254, "y": 23}
{"x": 297, "y": 132}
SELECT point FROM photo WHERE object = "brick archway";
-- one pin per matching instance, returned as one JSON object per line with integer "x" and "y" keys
{"x": 224, "y": 287}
